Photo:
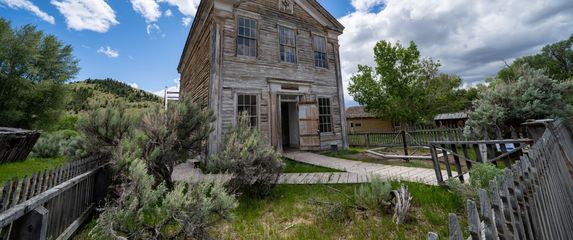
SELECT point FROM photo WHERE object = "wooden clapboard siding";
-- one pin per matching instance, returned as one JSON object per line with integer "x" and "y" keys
{"x": 195, "y": 66}
{"x": 212, "y": 72}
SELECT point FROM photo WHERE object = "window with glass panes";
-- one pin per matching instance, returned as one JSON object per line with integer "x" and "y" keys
{"x": 319, "y": 44}
{"x": 248, "y": 104}
{"x": 247, "y": 37}
{"x": 287, "y": 42}
{"x": 324, "y": 115}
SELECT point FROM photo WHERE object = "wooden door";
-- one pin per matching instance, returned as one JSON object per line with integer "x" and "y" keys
{"x": 308, "y": 123}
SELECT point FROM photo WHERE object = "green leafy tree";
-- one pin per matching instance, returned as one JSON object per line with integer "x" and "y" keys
{"x": 33, "y": 70}
{"x": 403, "y": 86}
{"x": 532, "y": 95}
{"x": 555, "y": 59}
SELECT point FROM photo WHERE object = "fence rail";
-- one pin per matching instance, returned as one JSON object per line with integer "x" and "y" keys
{"x": 420, "y": 137}
{"x": 52, "y": 204}
{"x": 532, "y": 200}
{"x": 16, "y": 144}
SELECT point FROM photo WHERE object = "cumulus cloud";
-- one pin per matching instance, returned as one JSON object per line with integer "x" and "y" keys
{"x": 186, "y": 21}
{"x": 186, "y": 7}
{"x": 148, "y": 9}
{"x": 168, "y": 13}
{"x": 133, "y": 85}
{"x": 94, "y": 15}
{"x": 469, "y": 38}
{"x": 109, "y": 52}
{"x": 151, "y": 28}
{"x": 172, "y": 88}
{"x": 28, "y": 6}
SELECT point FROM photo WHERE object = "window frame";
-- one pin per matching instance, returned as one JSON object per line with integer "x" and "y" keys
{"x": 280, "y": 45}
{"x": 314, "y": 47}
{"x": 329, "y": 115}
{"x": 237, "y": 36}
{"x": 257, "y": 106}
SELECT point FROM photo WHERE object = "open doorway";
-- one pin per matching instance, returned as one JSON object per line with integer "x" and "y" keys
{"x": 289, "y": 125}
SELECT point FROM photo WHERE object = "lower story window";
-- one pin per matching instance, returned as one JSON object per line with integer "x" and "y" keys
{"x": 247, "y": 104}
{"x": 324, "y": 115}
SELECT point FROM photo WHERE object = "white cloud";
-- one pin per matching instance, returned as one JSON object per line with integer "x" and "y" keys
{"x": 172, "y": 88}
{"x": 29, "y": 6}
{"x": 186, "y": 7}
{"x": 470, "y": 38}
{"x": 168, "y": 13}
{"x": 133, "y": 85}
{"x": 94, "y": 15}
{"x": 186, "y": 21}
{"x": 109, "y": 52}
{"x": 151, "y": 28}
{"x": 149, "y": 9}
{"x": 365, "y": 5}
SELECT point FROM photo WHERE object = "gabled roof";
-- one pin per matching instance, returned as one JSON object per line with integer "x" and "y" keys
{"x": 451, "y": 116}
{"x": 323, "y": 13}
{"x": 357, "y": 112}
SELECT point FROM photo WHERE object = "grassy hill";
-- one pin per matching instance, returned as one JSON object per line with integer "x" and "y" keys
{"x": 103, "y": 92}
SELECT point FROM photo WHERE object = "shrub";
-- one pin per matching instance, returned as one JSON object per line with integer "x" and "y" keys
{"x": 373, "y": 196}
{"x": 60, "y": 143}
{"x": 143, "y": 211}
{"x": 256, "y": 166}
{"x": 482, "y": 174}
{"x": 104, "y": 129}
{"x": 173, "y": 136}
{"x": 480, "y": 177}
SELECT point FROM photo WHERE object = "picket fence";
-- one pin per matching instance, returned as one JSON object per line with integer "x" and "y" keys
{"x": 532, "y": 200}
{"x": 52, "y": 204}
{"x": 412, "y": 137}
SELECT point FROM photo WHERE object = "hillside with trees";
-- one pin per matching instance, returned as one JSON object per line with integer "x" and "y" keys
{"x": 104, "y": 92}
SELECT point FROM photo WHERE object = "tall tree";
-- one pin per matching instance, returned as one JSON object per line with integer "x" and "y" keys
{"x": 33, "y": 70}
{"x": 555, "y": 59}
{"x": 531, "y": 95}
{"x": 404, "y": 87}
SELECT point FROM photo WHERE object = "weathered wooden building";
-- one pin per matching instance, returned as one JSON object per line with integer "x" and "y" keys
{"x": 360, "y": 121}
{"x": 277, "y": 60}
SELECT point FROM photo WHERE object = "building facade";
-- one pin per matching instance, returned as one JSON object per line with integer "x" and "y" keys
{"x": 360, "y": 121}
{"x": 276, "y": 60}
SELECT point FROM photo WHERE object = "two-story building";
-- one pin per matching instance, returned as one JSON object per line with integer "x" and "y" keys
{"x": 277, "y": 60}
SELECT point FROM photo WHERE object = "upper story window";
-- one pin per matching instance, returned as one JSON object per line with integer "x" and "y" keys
{"x": 324, "y": 115}
{"x": 287, "y": 42}
{"x": 286, "y": 6}
{"x": 319, "y": 45}
{"x": 247, "y": 37}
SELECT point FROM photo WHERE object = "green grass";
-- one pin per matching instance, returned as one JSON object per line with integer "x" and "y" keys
{"x": 288, "y": 214}
{"x": 28, "y": 167}
{"x": 299, "y": 167}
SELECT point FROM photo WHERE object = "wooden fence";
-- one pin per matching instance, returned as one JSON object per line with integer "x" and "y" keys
{"x": 16, "y": 144}
{"x": 420, "y": 137}
{"x": 52, "y": 204}
{"x": 532, "y": 200}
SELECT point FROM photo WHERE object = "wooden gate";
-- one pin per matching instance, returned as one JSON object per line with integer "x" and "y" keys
{"x": 308, "y": 123}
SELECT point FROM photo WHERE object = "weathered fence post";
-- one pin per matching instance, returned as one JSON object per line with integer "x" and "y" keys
{"x": 33, "y": 225}
{"x": 536, "y": 128}
{"x": 367, "y": 141}
{"x": 403, "y": 133}
{"x": 101, "y": 183}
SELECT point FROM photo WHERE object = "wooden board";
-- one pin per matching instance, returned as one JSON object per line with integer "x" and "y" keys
{"x": 308, "y": 123}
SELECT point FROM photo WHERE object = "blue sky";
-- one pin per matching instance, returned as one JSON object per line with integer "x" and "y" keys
{"x": 149, "y": 60}
{"x": 140, "y": 41}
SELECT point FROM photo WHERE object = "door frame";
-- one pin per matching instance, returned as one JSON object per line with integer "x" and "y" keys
{"x": 280, "y": 100}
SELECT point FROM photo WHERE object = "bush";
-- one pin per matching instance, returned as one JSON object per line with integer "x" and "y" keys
{"x": 143, "y": 211}
{"x": 482, "y": 174}
{"x": 104, "y": 129}
{"x": 373, "y": 196}
{"x": 480, "y": 177}
{"x": 255, "y": 165}
{"x": 60, "y": 143}
{"x": 174, "y": 136}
